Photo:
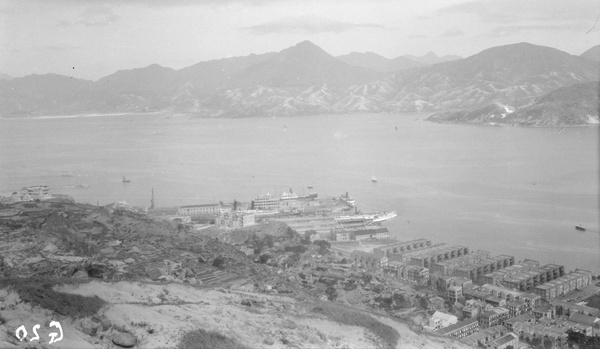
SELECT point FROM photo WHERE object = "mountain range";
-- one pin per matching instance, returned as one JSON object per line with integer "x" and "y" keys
{"x": 304, "y": 79}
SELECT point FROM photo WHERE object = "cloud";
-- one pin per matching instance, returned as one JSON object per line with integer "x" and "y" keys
{"x": 92, "y": 16}
{"x": 507, "y": 30}
{"x": 453, "y": 32}
{"x": 307, "y": 24}
{"x": 518, "y": 11}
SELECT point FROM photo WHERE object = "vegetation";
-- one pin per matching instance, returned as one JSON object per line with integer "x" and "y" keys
{"x": 582, "y": 341}
{"x": 40, "y": 292}
{"x": 201, "y": 339}
{"x": 218, "y": 262}
{"x": 349, "y": 316}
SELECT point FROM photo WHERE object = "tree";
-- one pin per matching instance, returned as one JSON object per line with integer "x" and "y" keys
{"x": 218, "y": 262}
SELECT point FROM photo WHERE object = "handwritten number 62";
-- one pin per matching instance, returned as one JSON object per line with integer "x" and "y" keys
{"x": 21, "y": 333}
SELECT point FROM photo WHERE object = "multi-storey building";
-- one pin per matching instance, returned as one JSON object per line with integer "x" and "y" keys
{"x": 428, "y": 259}
{"x": 477, "y": 270}
{"x": 564, "y": 284}
{"x": 460, "y": 329}
{"x": 449, "y": 267}
{"x": 493, "y": 317}
{"x": 193, "y": 210}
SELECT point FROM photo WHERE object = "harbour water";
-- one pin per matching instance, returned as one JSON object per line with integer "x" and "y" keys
{"x": 510, "y": 190}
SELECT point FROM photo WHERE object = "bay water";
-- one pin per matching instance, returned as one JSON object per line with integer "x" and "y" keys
{"x": 507, "y": 190}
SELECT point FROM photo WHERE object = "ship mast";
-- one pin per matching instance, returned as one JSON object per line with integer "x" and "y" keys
{"x": 152, "y": 200}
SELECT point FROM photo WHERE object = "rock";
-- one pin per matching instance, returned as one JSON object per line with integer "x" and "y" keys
{"x": 155, "y": 273}
{"x": 269, "y": 341}
{"x": 156, "y": 300}
{"x": 90, "y": 327}
{"x": 129, "y": 260}
{"x": 50, "y": 247}
{"x": 80, "y": 274}
{"x": 126, "y": 340}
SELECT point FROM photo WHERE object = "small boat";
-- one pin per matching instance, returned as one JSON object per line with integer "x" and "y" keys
{"x": 125, "y": 180}
{"x": 309, "y": 186}
{"x": 373, "y": 179}
{"x": 579, "y": 227}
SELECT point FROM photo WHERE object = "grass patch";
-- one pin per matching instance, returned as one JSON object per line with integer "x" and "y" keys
{"x": 348, "y": 316}
{"x": 40, "y": 292}
{"x": 201, "y": 339}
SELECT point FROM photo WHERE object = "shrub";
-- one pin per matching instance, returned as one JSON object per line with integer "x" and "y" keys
{"x": 201, "y": 339}
{"x": 348, "y": 316}
{"x": 218, "y": 262}
{"x": 40, "y": 292}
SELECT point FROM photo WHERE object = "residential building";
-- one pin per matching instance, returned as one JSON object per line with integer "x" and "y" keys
{"x": 558, "y": 287}
{"x": 454, "y": 293}
{"x": 460, "y": 329}
{"x": 404, "y": 246}
{"x": 440, "y": 320}
{"x": 477, "y": 270}
{"x": 449, "y": 252}
{"x": 510, "y": 339}
{"x": 493, "y": 317}
{"x": 568, "y": 308}
{"x": 545, "y": 311}
{"x": 485, "y": 336}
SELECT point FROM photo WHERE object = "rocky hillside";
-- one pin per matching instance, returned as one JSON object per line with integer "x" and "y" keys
{"x": 115, "y": 277}
{"x": 575, "y": 105}
{"x": 304, "y": 79}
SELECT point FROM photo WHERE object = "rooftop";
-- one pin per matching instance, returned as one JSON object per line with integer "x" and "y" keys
{"x": 456, "y": 326}
{"x": 505, "y": 339}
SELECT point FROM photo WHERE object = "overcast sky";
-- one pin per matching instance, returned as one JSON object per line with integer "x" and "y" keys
{"x": 90, "y": 39}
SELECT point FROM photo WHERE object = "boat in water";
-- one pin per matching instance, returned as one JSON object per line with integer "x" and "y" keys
{"x": 125, "y": 180}
{"x": 309, "y": 186}
{"x": 347, "y": 199}
{"x": 382, "y": 217}
{"x": 580, "y": 227}
{"x": 374, "y": 179}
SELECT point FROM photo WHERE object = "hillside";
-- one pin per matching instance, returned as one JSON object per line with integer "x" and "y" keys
{"x": 431, "y": 58}
{"x": 116, "y": 275}
{"x": 592, "y": 54}
{"x": 575, "y": 105}
{"x": 379, "y": 63}
{"x": 306, "y": 80}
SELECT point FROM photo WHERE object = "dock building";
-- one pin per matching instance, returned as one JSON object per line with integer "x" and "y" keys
{"x": 560, "y": 286}
{"x": 377, "y": 233}
{"x": 194, "y": 210}
{"x": 302, "y": 224}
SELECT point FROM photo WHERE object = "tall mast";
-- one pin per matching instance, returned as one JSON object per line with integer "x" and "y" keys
{"x": 152, "y": 201}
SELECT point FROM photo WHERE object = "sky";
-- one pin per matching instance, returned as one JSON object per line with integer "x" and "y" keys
{"x": 89, "y": 39}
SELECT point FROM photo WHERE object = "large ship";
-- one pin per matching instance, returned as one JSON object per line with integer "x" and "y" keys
{"x": 375, "y": 217}
{"x": 382, "y": 217}
{"x": 347, "y": 199}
